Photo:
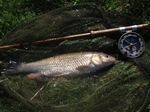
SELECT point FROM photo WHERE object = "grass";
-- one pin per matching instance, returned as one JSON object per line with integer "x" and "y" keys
{"x": 13, "y": 13}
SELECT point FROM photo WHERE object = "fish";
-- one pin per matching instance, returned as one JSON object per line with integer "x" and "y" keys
{"x": 64, "y": 65}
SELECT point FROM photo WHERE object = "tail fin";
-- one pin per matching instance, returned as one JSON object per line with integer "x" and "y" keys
{"x": 13, "y": 66}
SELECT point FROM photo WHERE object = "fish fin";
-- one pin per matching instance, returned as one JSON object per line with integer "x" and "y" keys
{"x": 14, "y": 58}
{"x": 58, "y": 75}
{"x": 84, "y": 67}
{"x": 34, "y": 76}
{"x": 13, "y": 65}
{"x": 39, "y": 76}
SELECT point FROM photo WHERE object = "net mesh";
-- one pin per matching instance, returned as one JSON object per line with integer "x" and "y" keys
{"x": 125, "y": 87}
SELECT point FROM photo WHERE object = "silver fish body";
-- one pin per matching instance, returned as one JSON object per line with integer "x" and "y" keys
{"x": 72, "y": 64}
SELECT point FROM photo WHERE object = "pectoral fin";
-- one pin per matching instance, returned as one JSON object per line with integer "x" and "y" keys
{"x": 34, "y": 76}
{"x": 84, "y": 67}
{"x": 58, "y": 75}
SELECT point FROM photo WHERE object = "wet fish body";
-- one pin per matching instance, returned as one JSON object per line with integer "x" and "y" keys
{"x": 71, "y": 64}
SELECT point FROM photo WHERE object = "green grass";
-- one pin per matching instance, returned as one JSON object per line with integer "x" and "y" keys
{"x": 15, "y": 12}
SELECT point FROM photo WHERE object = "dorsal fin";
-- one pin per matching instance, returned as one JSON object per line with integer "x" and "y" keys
{"x": 14, "y": 59}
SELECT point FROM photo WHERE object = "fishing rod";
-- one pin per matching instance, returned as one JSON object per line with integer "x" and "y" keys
{"x": 131, "y": 44}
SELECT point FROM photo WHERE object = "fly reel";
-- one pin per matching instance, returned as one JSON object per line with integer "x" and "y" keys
{"x": 131, "y": 45}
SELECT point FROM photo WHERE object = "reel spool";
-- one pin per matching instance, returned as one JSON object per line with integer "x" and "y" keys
{"x": 131, "y": 45}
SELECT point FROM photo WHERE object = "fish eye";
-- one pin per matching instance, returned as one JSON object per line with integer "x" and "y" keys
{"x": 106, "y": 56}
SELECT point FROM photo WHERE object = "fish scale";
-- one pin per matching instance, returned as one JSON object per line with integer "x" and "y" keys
{"x": 71, "y": 64}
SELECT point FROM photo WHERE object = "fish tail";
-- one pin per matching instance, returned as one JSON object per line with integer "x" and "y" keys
{"x": 12, "y": 66}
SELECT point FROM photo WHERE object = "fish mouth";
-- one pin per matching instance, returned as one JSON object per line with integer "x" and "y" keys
{"x": 113, "y": 59}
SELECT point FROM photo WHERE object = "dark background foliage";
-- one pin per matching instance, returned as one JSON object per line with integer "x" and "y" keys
{"x": 15, "y": 12}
